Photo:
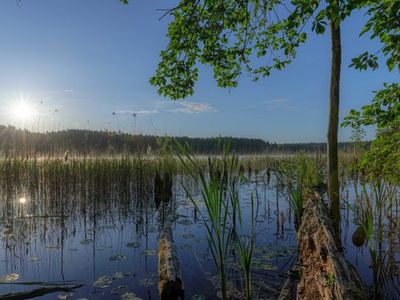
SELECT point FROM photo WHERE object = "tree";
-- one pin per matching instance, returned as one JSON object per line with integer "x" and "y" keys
{"x": 382, "y": 161}
{"x": 257, "y": 36}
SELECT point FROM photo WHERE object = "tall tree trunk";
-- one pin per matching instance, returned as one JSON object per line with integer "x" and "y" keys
{"x": 332, "y": 146}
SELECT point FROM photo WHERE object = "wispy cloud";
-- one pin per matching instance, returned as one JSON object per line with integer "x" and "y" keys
{"x": 139, "y": 112}
{"x": 277, "y": 104}
{"x": 193, "y": 108}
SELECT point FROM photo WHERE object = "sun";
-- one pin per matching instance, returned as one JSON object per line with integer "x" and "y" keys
{"x": 22, "y": 110}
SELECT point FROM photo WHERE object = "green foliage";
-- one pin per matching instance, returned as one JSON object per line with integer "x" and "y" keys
{"x": 383, "y": 24}
{"x": 382, "y": 161}
{"x": 330, "y": 279}
{"x": 220, "y": 195}
{"x": 256, "y": 36}
{"x": 245, "y": 248}
{"x": 365, "y": 61}
{"x": 229, "y": 36}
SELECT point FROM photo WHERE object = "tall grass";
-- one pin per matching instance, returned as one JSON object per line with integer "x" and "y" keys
{"x": 220, "y": 196}
{"x": 300, "y": 175}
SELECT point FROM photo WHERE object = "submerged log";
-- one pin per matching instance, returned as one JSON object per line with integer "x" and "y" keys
{"x": 170, "y": 284}
{"x": 44, "y": 290}
{"x": 325, "y": 273}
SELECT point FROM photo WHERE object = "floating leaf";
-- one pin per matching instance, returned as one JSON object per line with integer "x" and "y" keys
{"x": 120, "y": 290}
{"x": 118, "y": 257}
{"x": 121, "y": 275}
{"x": 133, "y": 245}
{"x": 185, "y": 222}
{"x": 87, "y": 242}
{"x": 103, "y": 282}
{"x": 130, "y": 296}
{"x": 149, "y": 253}
{"x": 147, "y": 282}
{"x": 9, "y": 278}
{"x": 264, "y": 266}
{"x": 52, "y": 247}
{"x": 35, "y": 258}
{"x": 64, "y": 296}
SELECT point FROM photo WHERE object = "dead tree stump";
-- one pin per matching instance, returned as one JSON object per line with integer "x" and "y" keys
{"x": 324, "y": 272}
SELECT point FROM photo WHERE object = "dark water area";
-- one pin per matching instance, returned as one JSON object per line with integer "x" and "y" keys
{"x": 105, "y": 235}
{"x": 377, "y": 259}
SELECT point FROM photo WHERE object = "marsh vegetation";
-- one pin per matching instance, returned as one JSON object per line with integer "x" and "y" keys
{"x": 232, "y": 220}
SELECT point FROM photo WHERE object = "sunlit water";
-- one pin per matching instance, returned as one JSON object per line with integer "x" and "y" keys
{"x": 83, "y": 232}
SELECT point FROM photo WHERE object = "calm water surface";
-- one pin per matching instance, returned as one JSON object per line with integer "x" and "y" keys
{"x": 85, "y": 230}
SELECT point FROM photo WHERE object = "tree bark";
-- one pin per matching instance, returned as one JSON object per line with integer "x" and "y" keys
{"x": 324, "y": 271}
{"x": 170, "y": 283}
{"x": 332, "y": 145}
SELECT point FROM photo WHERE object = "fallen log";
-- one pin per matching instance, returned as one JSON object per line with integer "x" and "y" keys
{"x": 44, "y": 290}
{"x": 324, "y": 272}
{"x": 170, "y": 284}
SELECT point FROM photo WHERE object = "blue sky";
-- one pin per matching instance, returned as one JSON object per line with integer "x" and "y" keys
{"x": 88, "y": 59}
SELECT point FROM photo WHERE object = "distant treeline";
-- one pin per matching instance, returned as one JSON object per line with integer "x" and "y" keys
{"x": 87, "y": 142}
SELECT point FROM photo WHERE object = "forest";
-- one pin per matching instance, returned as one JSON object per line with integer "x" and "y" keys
{"x": 81, "y": 142}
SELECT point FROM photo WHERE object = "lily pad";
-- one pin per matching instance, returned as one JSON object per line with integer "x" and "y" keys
{"x": 120, "y": 290}
{"x": 121, "y": 275}
{"x": 103, "y": 282}
{"x": 35, "y": 258}
{"x": 130, "y": 296}
{"x": 64, "y": 296}
{"x": 185, "y": 222}
{"x": 9, "y": 278}
{"x": 87, "y": 242}
{"x": 133, "y": 245}
{"x": 264, "y": 266}
{"x": 52, "y": 247}
{"x": 147, "y": 282}
{"x": 149, "y": 253}
{"x": 118, "y": 257}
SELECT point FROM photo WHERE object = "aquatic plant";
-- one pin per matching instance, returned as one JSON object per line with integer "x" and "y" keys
{"x": 300, "y": 176}
{"x": 220, "y": 194}
{"x": 219, "y": 231}
{"x": 245, "y": 247}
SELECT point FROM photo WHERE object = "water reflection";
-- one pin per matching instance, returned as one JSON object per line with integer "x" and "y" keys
{"x": 375, "y": 237}
{"x": 104, "y": 230}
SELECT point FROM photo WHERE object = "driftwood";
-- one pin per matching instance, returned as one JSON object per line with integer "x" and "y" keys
{"x": 325, "y": 274}
{"x": 170, "y": 284}
{"x": 44, "y": 290}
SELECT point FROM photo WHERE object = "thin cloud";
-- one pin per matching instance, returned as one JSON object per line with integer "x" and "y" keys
{"x": 139, "y": 112}
{"x": 278, "y": 104}
{"x": 194, "y": 108}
